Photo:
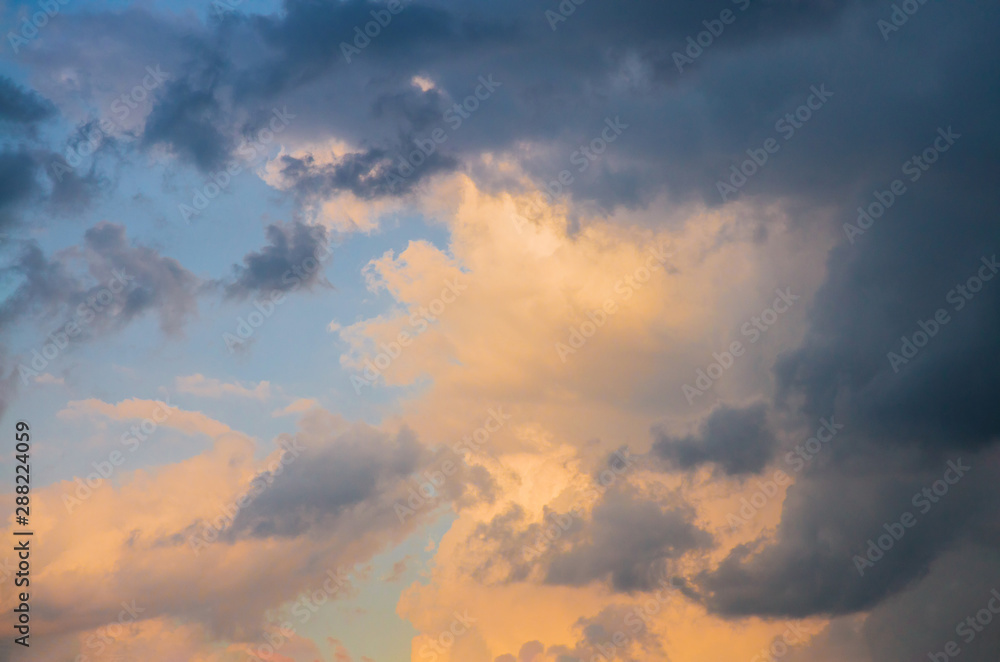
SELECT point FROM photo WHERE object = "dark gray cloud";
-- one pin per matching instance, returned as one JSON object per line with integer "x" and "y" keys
{"x": 353, "y": 482}
{"x": 627, "y": 542}
{"x": 36, "y": 180}
{"x": 514, "y": 547}
{"x": 20, "y": 106}
{"x": 372, "y": 174}
{"x": 73, "y": 190}
{"x": 99, "y": 287}
{"x": 921, "y": 619}
{"x": 829, "y": 516}
{"x": 305, "y": 41}
{"x": 45, "y": 287}
{"x": 557, "y": 86}
{"x": 51, "y": 289}
{"x": 738, "y": 441}
{"x": 8, "y": 380}
{"x": 330, "y": 481}
{"x": 617, "y": 632}
{"x": 23, "y": 163}
{"x": 161, "y": 283}
{"x": 294, "y": 257}
{"x": 925, "y": 617}
{"x": 190, "y": 120}
{"x": 17, "y": 184}
{"x": 902, "y": 421}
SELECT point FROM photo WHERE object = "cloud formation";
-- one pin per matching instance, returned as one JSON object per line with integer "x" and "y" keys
{"x": 530, "y": 262}
{"x": 293, "y": 258}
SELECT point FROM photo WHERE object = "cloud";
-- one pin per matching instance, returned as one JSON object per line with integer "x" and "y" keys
{"x": 188, "y": 422}
{"x": 17, "y": 184}
{"x": 46, "y": 378}
{"x": 298, "y": 406}
{"x": 553, "y": 77}
{"x": 293, "y": 258}
{"x": 21, "y": 106}
{"x": 902, "y": 425}
{"x": 738, "y": 441}
{"x": 828, "y": 519}
{"x": 627, "y": 541}
{"x": 532, "y": 286}
{"x": 335, "y": 477}
{"x": 399, "y": 568}
{"x": 144, "y": 280}
{"x": 209, "y": 387}
{"x": 329, "y": 510}
{"x": 367, "y": 175}
{"x": 189, "y": 119}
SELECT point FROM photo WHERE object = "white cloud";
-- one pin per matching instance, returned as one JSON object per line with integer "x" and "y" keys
{"x": 300, "y": 406}
{"x": 213, "y": 388}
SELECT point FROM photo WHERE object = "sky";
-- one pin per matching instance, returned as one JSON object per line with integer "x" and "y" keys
{"x": 521, "y": 331}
